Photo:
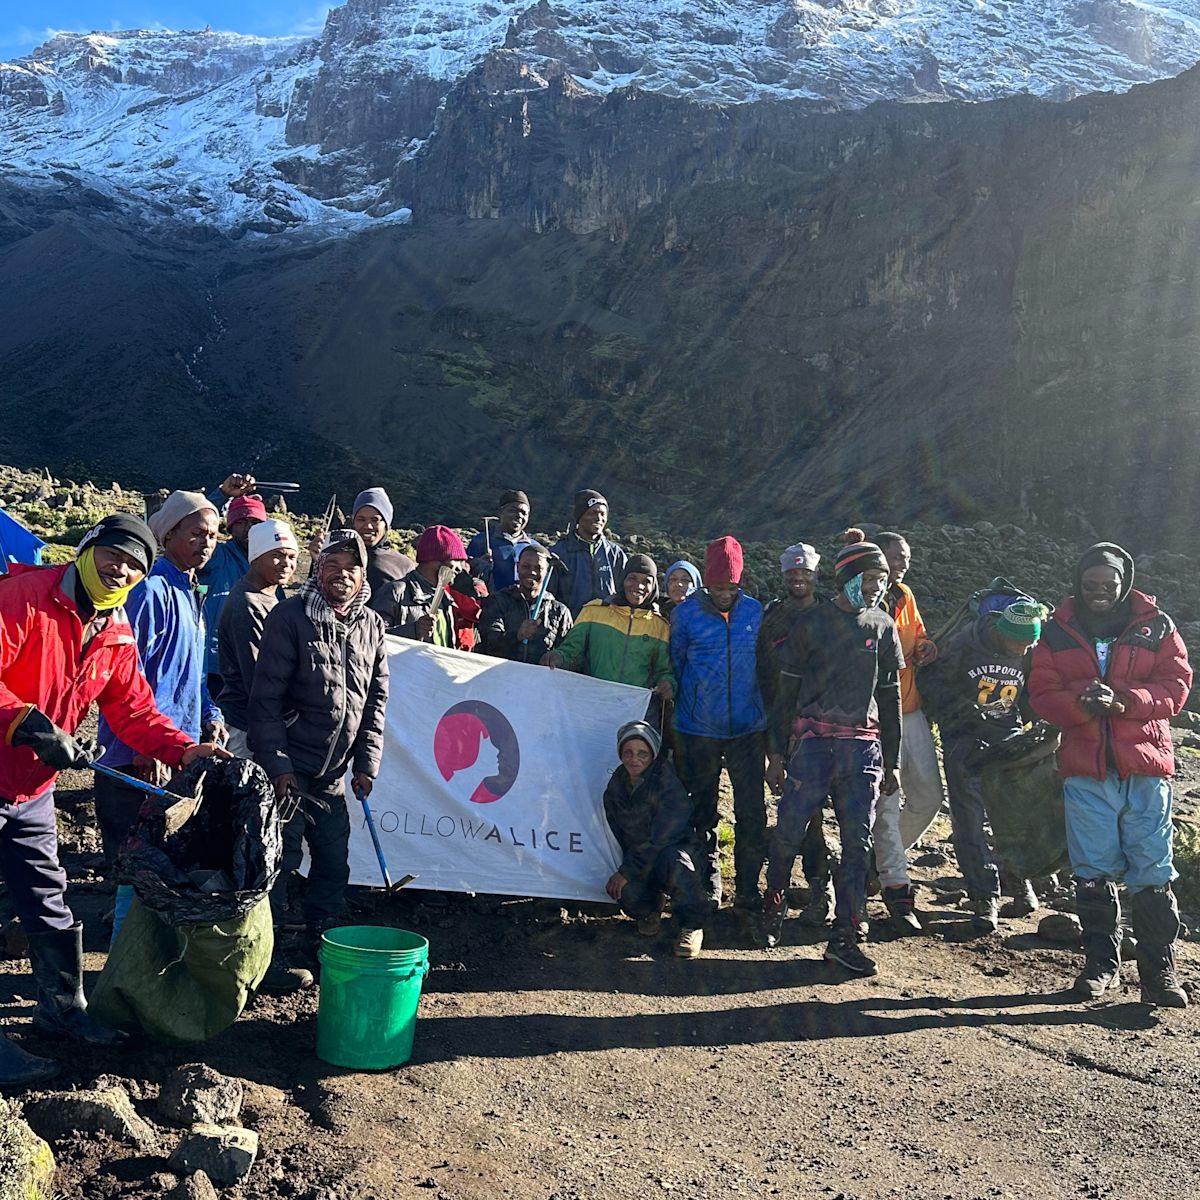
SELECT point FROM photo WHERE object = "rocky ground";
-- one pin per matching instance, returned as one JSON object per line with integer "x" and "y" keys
{"x": 558, "y": 1055}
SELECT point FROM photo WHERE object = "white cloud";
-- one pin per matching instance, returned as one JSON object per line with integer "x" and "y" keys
{"x": 24, "y": 37}
{"x": 313, "y": 23}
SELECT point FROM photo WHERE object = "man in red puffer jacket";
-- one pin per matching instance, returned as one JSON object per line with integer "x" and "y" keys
{"x": 1111, "y": 671}
{"x": 65, "y": 643}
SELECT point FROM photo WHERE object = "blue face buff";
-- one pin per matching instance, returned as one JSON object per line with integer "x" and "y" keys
{"x": 854, "y": 593}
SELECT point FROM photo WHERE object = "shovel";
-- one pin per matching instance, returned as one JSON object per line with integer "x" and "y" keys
{"x": 182, "y": 809}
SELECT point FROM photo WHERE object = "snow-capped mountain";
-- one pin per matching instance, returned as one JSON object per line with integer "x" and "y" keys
{"x": 262, "y": 135}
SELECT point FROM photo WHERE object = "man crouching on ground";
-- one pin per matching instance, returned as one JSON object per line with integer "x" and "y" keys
{"x": 650, "y": 815}
{"x": 317, "y": 707}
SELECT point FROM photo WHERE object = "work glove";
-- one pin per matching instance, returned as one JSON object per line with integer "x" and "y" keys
{"x": 54, "y": 746}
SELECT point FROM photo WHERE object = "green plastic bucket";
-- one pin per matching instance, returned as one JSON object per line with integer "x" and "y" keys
{"x": 371, "y": 979}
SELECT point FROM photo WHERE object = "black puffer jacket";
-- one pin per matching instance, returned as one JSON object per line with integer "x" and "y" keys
{"x": 646, "y": 820}
{"x": 318, "y": 700}
{"x": 503, "y": 614}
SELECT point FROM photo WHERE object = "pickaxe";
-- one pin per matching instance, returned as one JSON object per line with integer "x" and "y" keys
{"x": 552, "y": 561}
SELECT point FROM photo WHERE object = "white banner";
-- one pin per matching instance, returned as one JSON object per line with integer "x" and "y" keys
{"x": 493, "y": 776}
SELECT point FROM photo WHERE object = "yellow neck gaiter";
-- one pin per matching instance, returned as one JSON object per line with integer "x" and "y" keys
{"x": 100, "y": 594}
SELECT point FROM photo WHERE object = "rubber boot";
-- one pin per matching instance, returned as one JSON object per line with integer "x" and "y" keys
{"x": 288, "y": 971}
{"x": 901, "y": 903}
{"x": 1156, "y": 924}
{"x": 57, "y": 960}
{"x": 19, "y": 1069}
{"x": 1099, "y": 908}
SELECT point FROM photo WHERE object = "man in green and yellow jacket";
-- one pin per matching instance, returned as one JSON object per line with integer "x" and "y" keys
{"x": 625, "y": 639}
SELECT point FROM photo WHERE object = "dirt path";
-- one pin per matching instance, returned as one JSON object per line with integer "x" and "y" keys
{"x": 563, "y": 1056}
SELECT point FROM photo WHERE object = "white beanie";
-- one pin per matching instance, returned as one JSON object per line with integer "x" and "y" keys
{"x": 175, "y": 508}
{"x": 271, "y": 535}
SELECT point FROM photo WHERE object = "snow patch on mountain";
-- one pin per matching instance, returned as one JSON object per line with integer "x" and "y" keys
{"x": 263, "y": 135}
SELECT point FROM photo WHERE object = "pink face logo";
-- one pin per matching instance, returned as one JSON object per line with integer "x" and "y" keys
{"x": 474, "y": 745}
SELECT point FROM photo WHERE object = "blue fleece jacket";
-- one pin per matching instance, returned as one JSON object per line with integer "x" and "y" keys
{"x": 506, "y": 549}
{"x": 166, "y": 613}
{"x": 227, "y": 565}
{"x": 717, "y": 693}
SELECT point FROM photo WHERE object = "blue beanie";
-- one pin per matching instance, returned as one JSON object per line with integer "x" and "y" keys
{"x": 690, "y": 568}
{"x": 376, "y": 498}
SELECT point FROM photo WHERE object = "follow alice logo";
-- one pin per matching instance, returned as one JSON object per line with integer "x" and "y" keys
{"x": 476, "y": 751}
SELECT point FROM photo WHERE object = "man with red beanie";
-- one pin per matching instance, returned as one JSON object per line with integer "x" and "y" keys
{"x": 837, "y": 713}
{"x": 719, "y": 717}
{"x": 1111, "y": 671}
{"x": 65, "y": 643}
{"x": 230, "y": 561}
{"x": 406, "y": 604}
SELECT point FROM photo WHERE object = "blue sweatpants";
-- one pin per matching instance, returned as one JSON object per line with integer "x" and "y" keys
{"x": 850, "y": 772}
{"x": 1120, "y": 829}
{"x": 29, "y": 866}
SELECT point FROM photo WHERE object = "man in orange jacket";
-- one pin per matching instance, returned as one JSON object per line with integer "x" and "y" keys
{"x": 64, "y": 644}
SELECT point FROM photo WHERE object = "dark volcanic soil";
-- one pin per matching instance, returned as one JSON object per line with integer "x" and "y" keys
{"x": 560, "y": 1055}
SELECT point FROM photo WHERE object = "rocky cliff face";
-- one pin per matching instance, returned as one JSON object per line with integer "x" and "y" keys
{"x": 263, "y": 137}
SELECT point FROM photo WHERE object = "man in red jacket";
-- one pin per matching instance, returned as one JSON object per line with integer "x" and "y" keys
{"x": 1110, "y": 672}
{"x": 64, "y": 643}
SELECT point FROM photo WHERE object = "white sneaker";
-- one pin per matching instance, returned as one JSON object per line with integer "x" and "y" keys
{"x": 689, "y": 943}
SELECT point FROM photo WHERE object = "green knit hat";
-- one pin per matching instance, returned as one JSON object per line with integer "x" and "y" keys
{"x": 1022, "y": 622}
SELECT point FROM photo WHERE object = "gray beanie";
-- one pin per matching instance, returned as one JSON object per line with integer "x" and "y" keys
{"x": 378, "y": 499}
{"x": 175, "y": 508}
{"x": 642, "y": 730}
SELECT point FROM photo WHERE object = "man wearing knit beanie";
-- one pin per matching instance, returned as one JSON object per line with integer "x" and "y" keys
{"x": 229, "y": 562}
{"x": 837, "y": 720}
{"x": 495, "y": 549}
{"x": 719, "y": 718}
{"x": 273, "y": 550}
{"x": 167, "y": 617}
{"x": 50, "y": 676}
{"x": 405, "y": 604}
{"x": 591, "y": 563}
{"x": 799, "y": 565}
{"x": 372, "y": 519}
{"x": 976, "y": 691}
{"x": 1111, "y": 671}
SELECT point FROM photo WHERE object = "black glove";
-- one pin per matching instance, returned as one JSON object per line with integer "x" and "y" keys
{"x": 54, "y": 746}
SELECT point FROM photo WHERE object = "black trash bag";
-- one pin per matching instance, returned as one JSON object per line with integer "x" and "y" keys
{"x": 223, "y": 860}
{"x": 1023, "y": 795}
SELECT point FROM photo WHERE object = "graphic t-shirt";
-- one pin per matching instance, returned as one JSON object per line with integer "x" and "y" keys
{"x": 1103, "y": 649}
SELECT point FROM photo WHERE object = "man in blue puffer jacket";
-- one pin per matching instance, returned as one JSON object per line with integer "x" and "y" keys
{"x": 719, "y": 716}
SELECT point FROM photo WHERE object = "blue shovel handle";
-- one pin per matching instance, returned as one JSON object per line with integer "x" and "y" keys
{"x": 387, "y": 877}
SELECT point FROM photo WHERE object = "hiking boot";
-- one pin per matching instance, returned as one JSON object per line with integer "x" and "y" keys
{"x": 901, "y": 903}
{"x": 818, "y": 908}
{"x": 1156, "y": 923}
{"x": 285, "y": 975}
{"x": 774, "y": 912}
{"x": 1024, "y": 901}
{"x": 689, "y": 943}
{"x": 862, "y": 927}
{"x": 57, "y": 960}
{"x": 1163, "y": 991}
{"x": 20, "y": 1069}
{"x": 1096, "y": 978}
{"x": 985, "y": 913}
{"x": 650, "y": 926}
{"x": 845, "y": 952}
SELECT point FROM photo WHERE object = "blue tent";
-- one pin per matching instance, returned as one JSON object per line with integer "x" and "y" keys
{"x": 17, "y": 544}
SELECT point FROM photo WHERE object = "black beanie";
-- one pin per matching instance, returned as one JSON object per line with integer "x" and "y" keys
{"x": 856, "y": 557}
{"x": 644, "y": 565}
{"x": 585, "y": 500}
{"x": 123, "y": 531}
{"x": 1107, "y": 554}
{"x": 513, "y": 496}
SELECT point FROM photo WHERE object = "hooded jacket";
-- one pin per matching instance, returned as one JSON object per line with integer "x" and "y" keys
{"x": 974, "y": 690}
{"x": 593, "y": 571}
{"x": 44, "y": 664}
{"x": 319, "y": 694}
{"x": 1147, "y": 667}
{"x": 714, "y": 659}
{"x": 615, "y": 641}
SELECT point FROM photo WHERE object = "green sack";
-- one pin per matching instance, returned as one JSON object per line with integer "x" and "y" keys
{"x": 1023, "y": 796}
{"x": 182, "y": 983}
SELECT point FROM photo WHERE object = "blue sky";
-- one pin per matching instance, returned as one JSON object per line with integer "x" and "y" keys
{"x": 24, "y": 23}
